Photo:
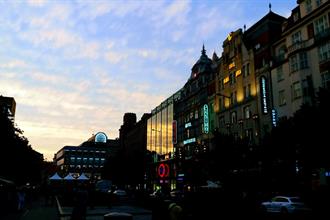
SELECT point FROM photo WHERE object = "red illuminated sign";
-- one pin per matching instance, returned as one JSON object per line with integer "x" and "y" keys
{"x": 163, "y": 170}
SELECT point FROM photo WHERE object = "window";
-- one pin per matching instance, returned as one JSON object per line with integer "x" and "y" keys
{"x": 196, "y": 114}
{"x": 233, "y": 117}
{"x": 324, "y": 52}
{"x": 232, "y": 78}
{"x": 303, "y": 60}
{"x": 298, "y": 61}
{"x": 281, "y": 53}
{"x": 308, "y": 6}
{"x": 281, "y": 98}
{"x": 325, "y": 76}
{"x": 247, "y": 91}
{"x": 296, "y": 90}
{"x": 247, "y": 112}
{"x": 318, "y": 3}
{"x": 307, "y": 86}
{"x": 295, "y": 17}
{"x": 279, "y": 73}
{"x": 321, "y": 24}
{"x": 293, "y": 63}
{"x": 296, "y": 37}
{"x": 233, "y": 98}
{"x": 248, "y": 134}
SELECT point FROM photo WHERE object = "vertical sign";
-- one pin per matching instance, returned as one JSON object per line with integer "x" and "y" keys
{"x": 274, "y": 117}
{"x": 263, "y": 89}
{"x": 206, "y": 118}
{"x": 174, "y": 132}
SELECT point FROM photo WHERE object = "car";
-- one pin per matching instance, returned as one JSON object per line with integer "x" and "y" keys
{"x": 176, "y": 194}
{"x": 103, "y": 186}
{"x": 285, "y": 205}
{"x": 120, "y": 194}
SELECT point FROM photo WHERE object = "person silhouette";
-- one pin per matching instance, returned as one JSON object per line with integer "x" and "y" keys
{"x": 80, "y": 202}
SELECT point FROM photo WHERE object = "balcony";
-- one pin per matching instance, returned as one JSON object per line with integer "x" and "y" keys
{"x": 300, "y": 45}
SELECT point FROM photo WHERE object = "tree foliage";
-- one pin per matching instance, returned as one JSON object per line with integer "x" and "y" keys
{"x": 18, "y": 161}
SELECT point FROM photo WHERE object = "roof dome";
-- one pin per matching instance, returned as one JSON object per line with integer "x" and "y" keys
{"x": 100, "y": 137}
{"x": 202, "y": 65}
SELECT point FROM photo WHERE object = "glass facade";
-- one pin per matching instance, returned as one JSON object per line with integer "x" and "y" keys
{"x": 159, "y": 130}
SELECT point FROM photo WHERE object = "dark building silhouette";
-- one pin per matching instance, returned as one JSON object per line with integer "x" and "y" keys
{"x": 8, "y": 106}
{"x": 135, "y": 142}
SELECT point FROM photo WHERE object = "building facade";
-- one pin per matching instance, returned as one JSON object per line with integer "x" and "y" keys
{"x": 160, "y": 136}
{"x": 135, "y": 142}
{"x": 244, "y": 81}
{"x": 236, "y": 102}
{"x": 301, "y": 62}
{"x": 194, "y": 116}
{"x": 89, "y": 157}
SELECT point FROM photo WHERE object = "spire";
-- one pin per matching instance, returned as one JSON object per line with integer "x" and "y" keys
{"x": 215, "y": 56}
{"x": 270, "y": 7}
{"x": 203, "y": 50}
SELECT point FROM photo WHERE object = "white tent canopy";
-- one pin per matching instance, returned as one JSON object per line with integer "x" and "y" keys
{"x": 55, "y": 177}
{"x": 83, "y": 177}
{"x": 69, "y": 177}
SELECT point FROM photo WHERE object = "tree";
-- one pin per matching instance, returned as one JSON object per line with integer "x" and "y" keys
{"x": 18, "y": 161}
{"x": 297, "y": 146}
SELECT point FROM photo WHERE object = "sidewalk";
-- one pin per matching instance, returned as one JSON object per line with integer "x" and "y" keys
{"x": 35, "y": 210}
{"x": 99, "y": 211}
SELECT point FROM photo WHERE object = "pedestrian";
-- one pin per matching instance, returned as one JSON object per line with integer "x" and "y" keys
{"x": 80, "y": 203}
{"x": 20, "y": 199}
{"x": 174, "y": 211}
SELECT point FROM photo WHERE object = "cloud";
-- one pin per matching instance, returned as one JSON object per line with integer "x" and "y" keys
{"x": 13, "y": 64}
{"x": 56, "y": 38}
{"x": 115, "y": 57}
{"x": 176, "y": 13}
{"x": 147, "y": 53}
{"x": 36, "y": 3}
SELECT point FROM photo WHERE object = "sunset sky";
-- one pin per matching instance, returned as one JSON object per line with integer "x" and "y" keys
{"x": 75, "y": 67}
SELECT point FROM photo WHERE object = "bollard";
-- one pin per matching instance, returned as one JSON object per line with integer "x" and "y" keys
{"x": 118, "y": 216}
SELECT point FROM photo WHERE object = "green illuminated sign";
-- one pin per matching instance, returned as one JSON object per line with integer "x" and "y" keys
{"x": 206, "y": 118}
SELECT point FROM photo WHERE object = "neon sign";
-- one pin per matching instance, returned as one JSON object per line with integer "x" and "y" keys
{"x": 163, "y": 170}
{"x": 263, "y": 90}
{"x": 187, "y": 125}
{"x": 206, "y": 118}
{"x": 274, "y": 117}
{"x": 191, "y": 140}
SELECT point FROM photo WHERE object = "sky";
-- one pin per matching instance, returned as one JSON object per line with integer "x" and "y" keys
{"x": 76, "y": 67}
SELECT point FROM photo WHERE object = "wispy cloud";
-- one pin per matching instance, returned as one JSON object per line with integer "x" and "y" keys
{"x": 75, "y": 67}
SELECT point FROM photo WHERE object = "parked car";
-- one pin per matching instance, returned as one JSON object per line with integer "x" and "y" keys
{"x": 159, "y": 194}
{"x": 120, "y": 194}
{"x": 176, "y": 194}
{"x": 285, "y": 205}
